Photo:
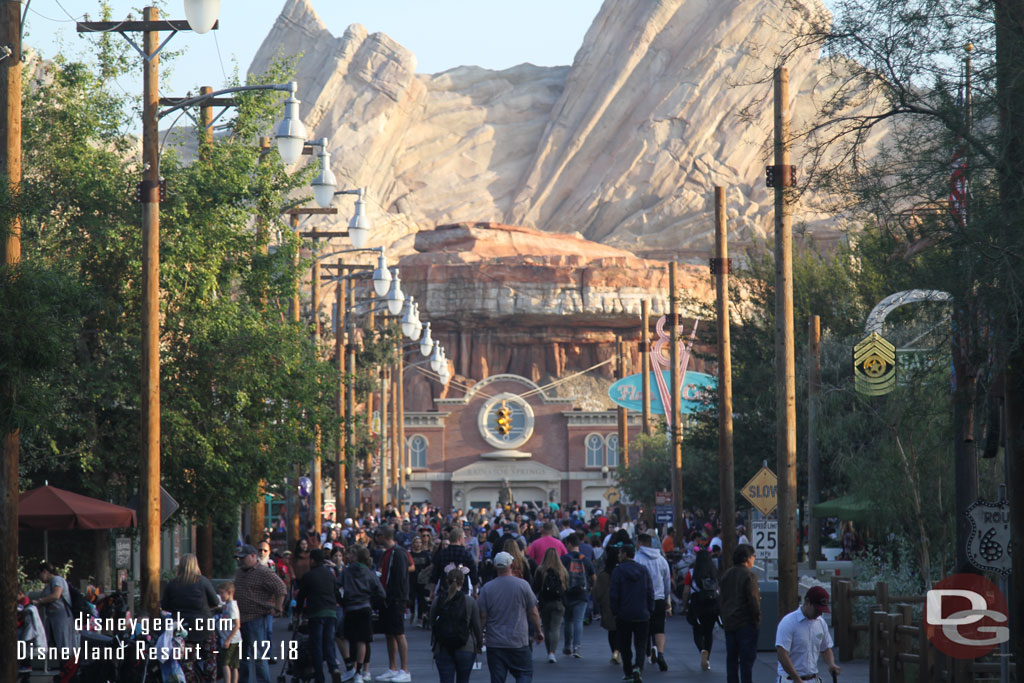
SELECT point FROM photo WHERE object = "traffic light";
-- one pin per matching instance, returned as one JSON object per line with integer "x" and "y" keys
{"x": 504, "y": 419}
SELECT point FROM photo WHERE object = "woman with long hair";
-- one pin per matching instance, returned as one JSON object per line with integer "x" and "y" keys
{"x": 191, "y": 595}
{"x": 700, "y": 604}
{"x": 549, "y": 585}
{"x": 602, "y": 592}
{"x": 455, "y": 662}
{"x": 522, "y": 566}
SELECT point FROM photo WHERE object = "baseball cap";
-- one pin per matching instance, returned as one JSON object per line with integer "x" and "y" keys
{"x": 818, "y": 597}
{"x": 503, "y": 559}
{"x": 246, "y": 550}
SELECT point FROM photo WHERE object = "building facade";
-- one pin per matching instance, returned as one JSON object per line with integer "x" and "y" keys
{"x": 547, "y": 450}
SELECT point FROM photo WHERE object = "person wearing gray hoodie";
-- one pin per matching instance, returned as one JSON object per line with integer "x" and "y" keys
{"x": 654, "y": 562}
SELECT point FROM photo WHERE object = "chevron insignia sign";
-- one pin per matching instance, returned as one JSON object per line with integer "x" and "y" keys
{"x": 874, "y": 365}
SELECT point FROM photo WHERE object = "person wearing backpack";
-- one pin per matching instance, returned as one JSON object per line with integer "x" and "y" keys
{"x": 656, "y": 565}
{"x": 701, "y": 604}
{"x": 549, "y": 584}
{"x": 56, "y": 601}
{"x": 581, "y": 577}
{"x": 456, "y": 636}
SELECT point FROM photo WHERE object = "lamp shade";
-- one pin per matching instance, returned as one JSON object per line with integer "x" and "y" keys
{"x": 381, "y": 276}
{"x": 416, "y": 320}
{"x": 291, "y": 132}
{"x": 201, "y": 14}
{"x": 409, "y": 320}
{"x": 435, "y": 357}
{"x": 325, "y": 183}
{"x": 395, "y": 297}
{"x": 359, "y": 226}
{"x": 426, "y": 341}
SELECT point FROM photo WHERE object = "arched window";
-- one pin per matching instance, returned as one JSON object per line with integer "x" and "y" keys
{"x": 418, "y": 452}
{"x": 595, "y": 450}
{"x": 612, "y": 451}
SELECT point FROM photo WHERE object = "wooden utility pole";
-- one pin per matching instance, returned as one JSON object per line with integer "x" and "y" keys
{"x": 403, "y": 460}
{"x": 726, "y": 476}
{"x": 676, "y": 428}
{"x": 316, "y": 503}
{"x": 292, "y": 496}
{"x": 785, "y": 373}
{"x": 149, "y": 493}
{"x": 384, "y": 381}
{"x": 10, "y": 169}
{"x": 355, "y": 470}
{"x": 340, "y": 499}
{"x": 395, "y": 453}
{"x": 645, "y": 366}
{"x": 813, "y": 472}
{"x": 621, "y": 413}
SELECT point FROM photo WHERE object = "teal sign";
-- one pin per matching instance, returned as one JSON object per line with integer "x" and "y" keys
{"x": 627, "y": 392}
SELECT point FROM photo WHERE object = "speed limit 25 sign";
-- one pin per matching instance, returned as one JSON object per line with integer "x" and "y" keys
{"x": 765, "y": 538}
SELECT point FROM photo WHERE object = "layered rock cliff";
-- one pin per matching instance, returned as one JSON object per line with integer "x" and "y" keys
{"x": 623, "y": 146}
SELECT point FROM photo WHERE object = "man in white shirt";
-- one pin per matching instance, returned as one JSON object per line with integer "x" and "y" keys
{"x": 801, "y": 636}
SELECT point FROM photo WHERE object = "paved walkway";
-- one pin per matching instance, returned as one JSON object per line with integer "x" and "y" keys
{"x": 595, "y": 667}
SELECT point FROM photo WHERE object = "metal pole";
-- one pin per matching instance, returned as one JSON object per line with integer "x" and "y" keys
{"x": 395, "y": 461}
{"x": 149, "y": 494}
{"x": 645, "y": 366}
{"x": 726, "y": 475}
{"x": 676, "y": 428}
{"x": 785, "y": 373}
{"x": 355, "y": 472}
{"x": 340, "y": 499}
{"x": 621, "y": 414}
{"x": 813, "y": 471}
{"x": 10, "y": 168}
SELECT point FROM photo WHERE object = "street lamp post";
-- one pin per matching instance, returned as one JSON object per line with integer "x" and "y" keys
{"x": 150, "y": 194}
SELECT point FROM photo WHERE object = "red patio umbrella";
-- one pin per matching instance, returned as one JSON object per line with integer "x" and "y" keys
{"x": 48, "y": 507}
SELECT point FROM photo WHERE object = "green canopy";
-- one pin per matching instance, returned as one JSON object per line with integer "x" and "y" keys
{"x": 851, "y": 507}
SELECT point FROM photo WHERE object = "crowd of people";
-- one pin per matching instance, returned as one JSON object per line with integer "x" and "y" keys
{"x": 497, "y": 583}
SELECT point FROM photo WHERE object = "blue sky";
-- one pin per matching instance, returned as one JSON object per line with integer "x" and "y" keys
{"x": 441, "y": 33}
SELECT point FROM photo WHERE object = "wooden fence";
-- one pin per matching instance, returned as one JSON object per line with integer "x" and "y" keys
{"x": 895, "y": 640}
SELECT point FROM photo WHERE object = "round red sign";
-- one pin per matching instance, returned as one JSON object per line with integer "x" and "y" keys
{"x": 966, "y": 616}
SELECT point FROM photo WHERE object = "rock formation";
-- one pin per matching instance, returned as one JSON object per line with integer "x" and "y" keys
{"x": 623, "y": 146}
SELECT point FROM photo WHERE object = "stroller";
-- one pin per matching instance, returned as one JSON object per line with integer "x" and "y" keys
{"x": 301, "y": 667}
{"x": 32, "y": 633}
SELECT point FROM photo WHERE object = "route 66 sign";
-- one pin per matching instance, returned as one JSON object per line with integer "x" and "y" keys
{"x": 988, "y": 546}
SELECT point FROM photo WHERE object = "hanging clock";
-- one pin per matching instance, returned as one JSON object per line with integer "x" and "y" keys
{"x": 506, "y": 421}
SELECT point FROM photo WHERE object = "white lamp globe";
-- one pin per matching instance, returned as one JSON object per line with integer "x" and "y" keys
{"x": 435, "y": 357}
{"x": 325, "y": 182}
{"x": 201, "y": 14}
{"x": 416, "y": 318}
{"x": 426, "y": 341}
{"x": 291, "y": 132}
{"x": 409, "y": 320}
{"x": 359, "y": 226}
{"x": 395, "y": 297}
{"x": 445, "y": 373}
{"x": 381, "y": 276}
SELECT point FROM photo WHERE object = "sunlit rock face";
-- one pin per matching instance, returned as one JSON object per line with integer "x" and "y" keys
{"x": 663, "y": 101}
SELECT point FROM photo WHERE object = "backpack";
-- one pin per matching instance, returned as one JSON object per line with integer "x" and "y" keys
{"x": 551, "y": 587}
{"x": 451, "y": 625}
{"x": 80, "y": 606}
{"x": 577, "y": 576}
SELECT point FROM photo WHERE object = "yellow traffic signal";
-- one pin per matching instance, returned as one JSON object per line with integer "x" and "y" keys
{"x": 504, "y": 419}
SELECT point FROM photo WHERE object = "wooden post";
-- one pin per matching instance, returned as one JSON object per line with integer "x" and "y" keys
{"x": 726, "y": 474}
{"x": 621, "y": 415}
{"x": 292, "y": 495}
{"x": 676, "y": 431}
{"x": 785, "y": 373}
{"x": 403, "y": 461}
{"x": 395, "y": 453}
{"x": 384, "y": 381}
{"x": 316, "y": 502}
{"x": 149, "y": 493}
{"x": 340, "y": 503}
{"x": 813, "y": 472}
{"x": 645, "y": 365}
{"x": 355, "y": 472}
{"x": 10, "y": 168}
{"x": 882, "y": 594}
